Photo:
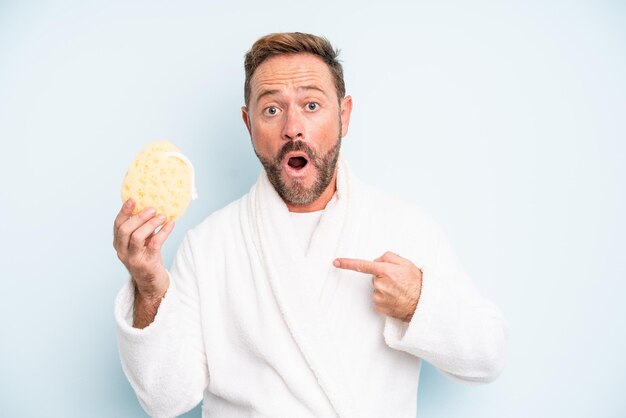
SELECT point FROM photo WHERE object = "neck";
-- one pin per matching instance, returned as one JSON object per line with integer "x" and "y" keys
{"x": 321, "y": 201}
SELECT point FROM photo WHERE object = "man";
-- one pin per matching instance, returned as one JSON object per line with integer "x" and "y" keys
{"x": 313, "y": 295}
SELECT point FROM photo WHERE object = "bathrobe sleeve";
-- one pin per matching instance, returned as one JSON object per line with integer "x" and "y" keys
{"x": 165, "y": 362}
{"x": 453, "y": 328}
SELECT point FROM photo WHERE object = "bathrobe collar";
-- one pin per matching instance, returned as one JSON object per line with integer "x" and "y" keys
{"x": 291, "y": 274}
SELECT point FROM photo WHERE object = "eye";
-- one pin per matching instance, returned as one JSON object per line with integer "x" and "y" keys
{"x": 312, "y": 106}
{"x": 271, "y": 110}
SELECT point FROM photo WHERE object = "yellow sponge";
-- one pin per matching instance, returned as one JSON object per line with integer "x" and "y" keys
{"x": 162, "y": 178}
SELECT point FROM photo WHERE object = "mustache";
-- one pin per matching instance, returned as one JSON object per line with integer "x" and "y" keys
{"x": 296, "y": 146}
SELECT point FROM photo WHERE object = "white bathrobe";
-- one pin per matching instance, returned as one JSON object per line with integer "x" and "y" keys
{"x": 255, "y": 328}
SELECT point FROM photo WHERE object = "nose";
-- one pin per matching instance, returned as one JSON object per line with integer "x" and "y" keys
{"x": 294, "y": 125}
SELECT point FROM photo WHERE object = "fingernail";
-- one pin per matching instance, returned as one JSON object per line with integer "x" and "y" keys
{"x": 336, "y": 263}
{"x": 161, "y": 217}
{"x": 129, "y": 202}
{"x": 150, "y": 211}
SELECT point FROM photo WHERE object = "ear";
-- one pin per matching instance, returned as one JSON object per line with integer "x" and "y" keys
{"x": 346, "y": 111}
{"x": 246, "y": 119}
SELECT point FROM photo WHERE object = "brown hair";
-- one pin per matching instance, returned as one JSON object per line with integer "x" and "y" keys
{"x": 293, "y": 43}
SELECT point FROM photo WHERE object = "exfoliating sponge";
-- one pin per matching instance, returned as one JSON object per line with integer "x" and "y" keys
{"x": 160, "y": 177}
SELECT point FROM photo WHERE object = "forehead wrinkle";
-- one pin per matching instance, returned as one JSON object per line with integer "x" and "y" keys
{"x": 277, "y": 82}
{"x": 269, "y": 88}
{"x": 274, "y": 78}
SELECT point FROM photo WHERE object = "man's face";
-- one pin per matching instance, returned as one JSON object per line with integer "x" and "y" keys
{"x": 296, "y": 123}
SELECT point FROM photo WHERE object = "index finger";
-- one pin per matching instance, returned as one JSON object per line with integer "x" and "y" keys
{"x": 124, "y": 213}
{"x": 362, "y": 266}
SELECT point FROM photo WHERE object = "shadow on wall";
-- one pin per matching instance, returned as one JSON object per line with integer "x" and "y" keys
{"x": 437, "y": 394}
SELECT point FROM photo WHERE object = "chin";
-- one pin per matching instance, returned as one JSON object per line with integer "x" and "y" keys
{"x": 298, "y": 190}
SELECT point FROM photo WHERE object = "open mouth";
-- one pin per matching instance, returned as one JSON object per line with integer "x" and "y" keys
{"x": 297, "y": 163}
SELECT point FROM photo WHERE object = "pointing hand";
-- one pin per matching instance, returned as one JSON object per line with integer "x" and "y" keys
{"x": 397, "y": 283}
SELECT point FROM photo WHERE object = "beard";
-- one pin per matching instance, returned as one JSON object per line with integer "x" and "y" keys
{"x": 297, "y": 193}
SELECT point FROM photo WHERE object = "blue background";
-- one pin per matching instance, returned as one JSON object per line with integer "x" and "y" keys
{"x": 505, "y": 120}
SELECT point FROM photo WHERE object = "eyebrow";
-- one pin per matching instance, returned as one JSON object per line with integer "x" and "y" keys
{"x": 274, "y": 91}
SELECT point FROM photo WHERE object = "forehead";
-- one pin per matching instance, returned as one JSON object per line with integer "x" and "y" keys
{"x": 284, "y": 72}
